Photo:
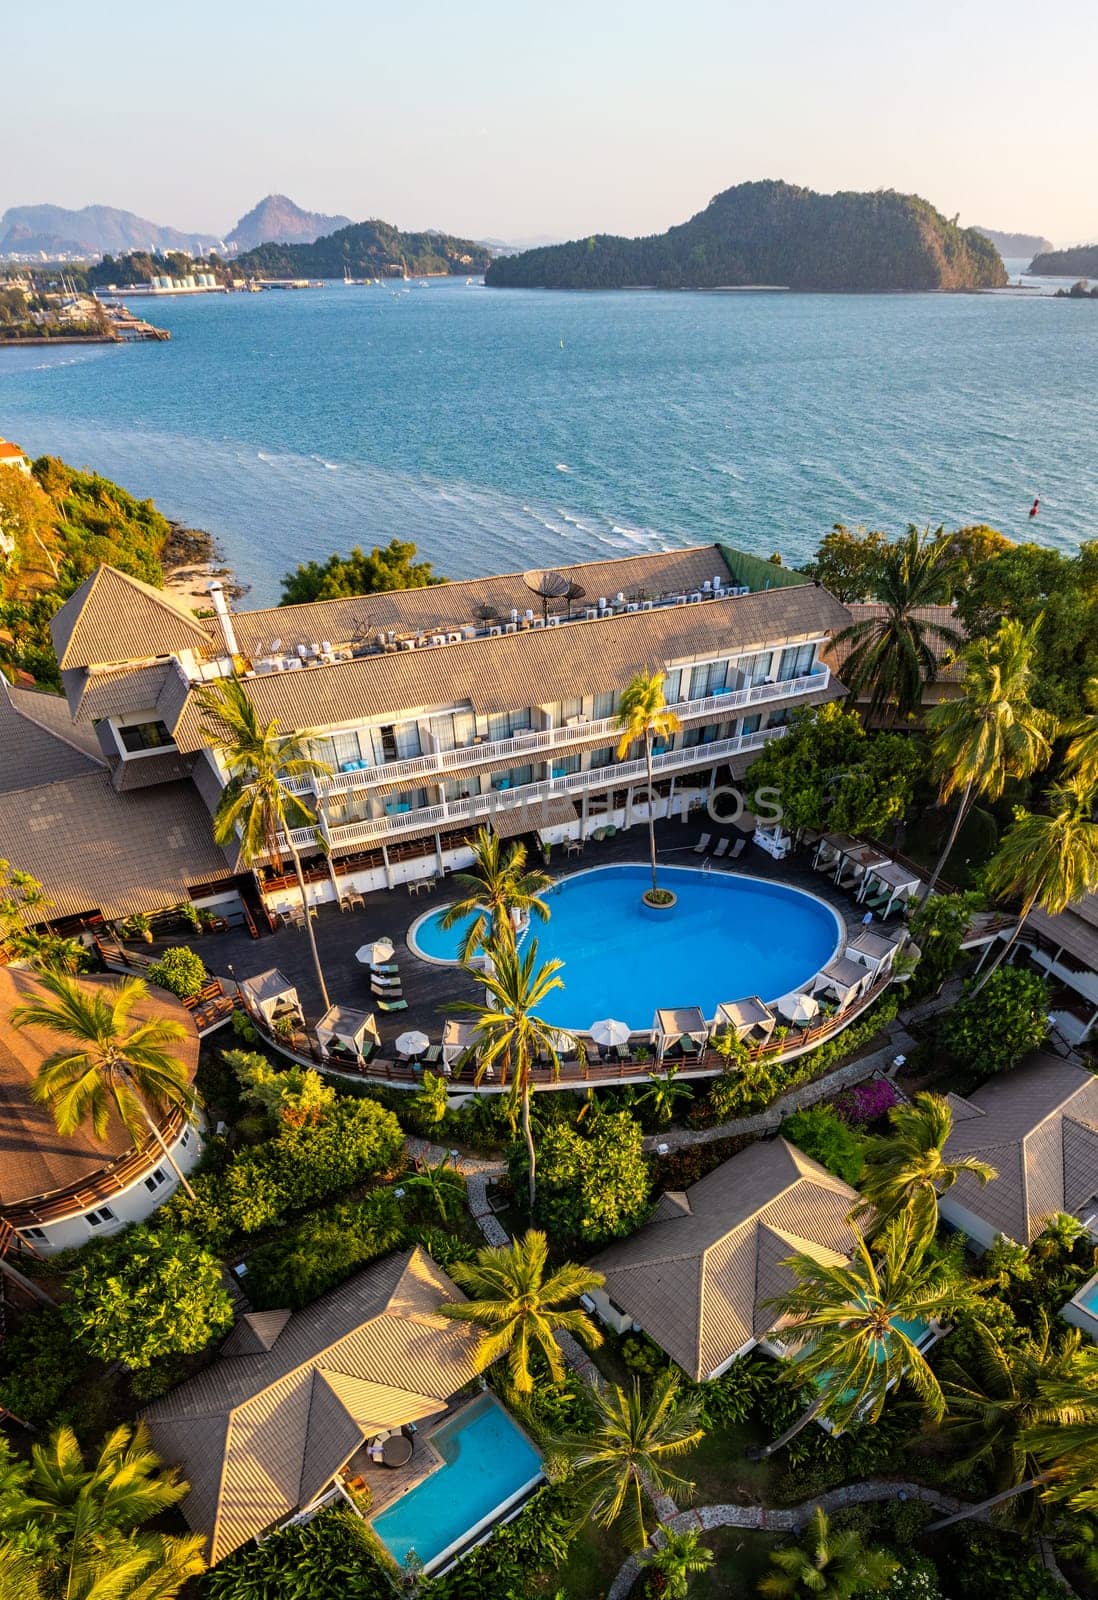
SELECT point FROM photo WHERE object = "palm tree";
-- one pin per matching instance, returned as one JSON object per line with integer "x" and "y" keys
{"x": 677, "y": 1558}
{"x": 1048, "y": 858}
{"x": 257, "y": 802}
{"x": 1082, "y": 752}
{"x": 664, "y": 1092}
{"x": 441, "y": 1184}
{"x": 79, "y": 1525}
{"x": 507, "y": 1032}
{"x": 829, "y": 1565}
{"x": 906, "y": 1171}
{"x": 1057, "y": 1435}
{"x": 519, "y": 1307}
{"x": 497, "y": 890}
{"x": 892, "y": 655}
{"x": 849, "y": 1321}
{"x": 993, "y": 731}
{"x": 996, "y": 1399}
{"x": 431, "y": 1099}
{"x": 625, "y": 1455}
{"x": 643, "y": 714}
{"x": 110, "y": 1060}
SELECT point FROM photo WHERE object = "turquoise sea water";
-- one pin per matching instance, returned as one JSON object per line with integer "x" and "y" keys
{"x": 292, "y": 424}
{"x": 486, "y": 1461}
{"x": 729, "y": 936}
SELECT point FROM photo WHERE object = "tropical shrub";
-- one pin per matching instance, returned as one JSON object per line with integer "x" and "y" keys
{"x": 516, "y": 1557}
{"x": 290, "y": 1094}
{"x": 867, "y": 1102}
{"x": 593, "y": 1182}
{"x": 642, "y": 1355}
{"x": 823, "y": 1135}
{"x": 308, "y": 1259}
{"x": 333, "y": 1557}
{"x": 146, "y": 1293}
{"x": 986, "y": 1564}
{"x": 443, "y": 1247}
{"x": 744, "y": 1393}
{"x": 37, "y": 1367}
{"x": 181, "y": 971}
{"x": 917, "y": 1579}
{"x": 992, "y": 1029}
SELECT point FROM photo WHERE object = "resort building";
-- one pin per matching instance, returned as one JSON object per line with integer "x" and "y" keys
{"x": 439, "y": 709}
{"x": 1065, "y": 948}
{"x": 59, "y": 1190}
{"x": 12, "y": 456}
{"x": 698, "y": 1277}
{"x": 949, "y": 673}
{"x": 298, "y": 1409}
{"x": 1038, "y": 1127}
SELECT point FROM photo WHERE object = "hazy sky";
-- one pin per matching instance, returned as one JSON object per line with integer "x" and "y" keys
{"x": 511, "y": 119}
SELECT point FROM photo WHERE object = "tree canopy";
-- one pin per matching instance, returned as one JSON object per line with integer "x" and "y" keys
{"x": 393, "y": 566}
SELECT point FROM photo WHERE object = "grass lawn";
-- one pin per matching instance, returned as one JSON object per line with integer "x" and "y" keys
{"x": 741, "y": 1558}
{"x": 722, "y": 1472}
{"x": 592, "y": 1564}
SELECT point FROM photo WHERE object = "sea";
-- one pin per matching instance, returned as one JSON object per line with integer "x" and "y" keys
{"x": 506, "y": 429}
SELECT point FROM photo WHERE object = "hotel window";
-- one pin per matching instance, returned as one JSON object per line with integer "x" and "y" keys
{"x": 755, "y": 669}
{"x": 33, "y": 1233}
{"x": 779, "y": 718}
{"x": 752, "y": 724}
{"x": 144, "y": 736}
{"x": 605, "y": 706}
{"x": 672, "y": 685}
{"x": 796, "y": 662}
{"x": 696, "y": 736}
{"x": 708, "y": 679}
{"x": 406, "y": 737}
{"x": 570, "y": 709}
{"x": 454, "y": 732}
{"x": 155, "y": 1179}
{"x": 505, "y": 724}
{"x": 96, "y": 1219}
{"x": 603, "y": 758}
{"x": 564, "y": 765}
{"x": 186, "y": 1139}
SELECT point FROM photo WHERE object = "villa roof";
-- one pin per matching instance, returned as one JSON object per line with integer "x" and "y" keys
{"x": 34, "y": 751}
{"x": 1038, "y": 1127}
{"x": 260, "y": 1432}
{"x": 269, "y": 985}
{"x": 697, "y": 1277}
{"x": 1075, "y": 930}
{"x": 949, "y": 670}
{"x": 114, "y": 617}
{"x": 35, "y": 1160}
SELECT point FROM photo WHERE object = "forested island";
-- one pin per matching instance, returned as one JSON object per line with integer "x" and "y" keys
{"x": 366, "y": 250}
{"x": 776, "y": 234}
{"x": 1079, "y": 262}
{"x": 1015, "y": 244}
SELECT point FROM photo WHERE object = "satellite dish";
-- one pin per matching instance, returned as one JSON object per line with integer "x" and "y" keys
{"x": 552, "y": 586}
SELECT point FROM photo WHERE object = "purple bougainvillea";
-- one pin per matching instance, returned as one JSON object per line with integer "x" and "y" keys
{"x": 866, "y": 1102}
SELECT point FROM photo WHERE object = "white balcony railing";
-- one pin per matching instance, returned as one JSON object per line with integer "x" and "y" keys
{"x": 534, "y": 741}
{"x": 455, "y": 812}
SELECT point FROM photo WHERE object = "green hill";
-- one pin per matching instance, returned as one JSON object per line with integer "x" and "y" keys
{"x": 366, "y": 250}
{"x": 775, "y": 233}
{"x": 1079, "y": 262}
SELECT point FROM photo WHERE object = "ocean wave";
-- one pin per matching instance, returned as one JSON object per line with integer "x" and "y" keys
{"x": 563, "y": 466}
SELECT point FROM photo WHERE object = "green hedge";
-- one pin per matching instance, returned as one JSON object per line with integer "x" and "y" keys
{"x": 333, "y": 1557}
{"x": 307, "y": 1260}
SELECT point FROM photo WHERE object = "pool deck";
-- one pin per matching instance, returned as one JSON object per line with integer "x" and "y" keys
{"x": 429, "y": 987}
{"x": 389, "y": 1484}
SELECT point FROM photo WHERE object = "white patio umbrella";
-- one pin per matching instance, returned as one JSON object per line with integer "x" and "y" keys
{"x": 372, "y": 955}
{"x": 609, "y": 1033}
{"x": 412, "y": 1043}
{"x": 797, "y": 1007}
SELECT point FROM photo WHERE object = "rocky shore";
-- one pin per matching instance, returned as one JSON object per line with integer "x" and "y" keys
{"x": 191, "y": 560}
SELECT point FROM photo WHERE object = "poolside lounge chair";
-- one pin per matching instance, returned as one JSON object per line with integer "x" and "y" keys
{"x": 385, "y": 967}
{"x": 738, "y": 849}
{"x": 688, "y": 1046}
{"x": 391, "y": 1005}
{"x": 703, "y": 844}
{"x": 722, "y": 849}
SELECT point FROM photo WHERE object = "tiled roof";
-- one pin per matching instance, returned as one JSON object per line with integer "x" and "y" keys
{"x": 1076, "y": 929}
{"x": 35, "y": 1160}
{"x": 499, "y": 674}
{"x": 30, "y": 752}
{"x": 696, "y": 1278}
{"x": 113, "y": 691}
{"x": 113, "y": 617}
{"x": 259, "y": 1434}
{"x": 1038, "y": 1127}
{"x": 938, "y": 617}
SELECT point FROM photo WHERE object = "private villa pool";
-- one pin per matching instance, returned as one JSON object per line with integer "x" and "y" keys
{"x": 729, "y": 936}
{"x": 488, "y": 1466}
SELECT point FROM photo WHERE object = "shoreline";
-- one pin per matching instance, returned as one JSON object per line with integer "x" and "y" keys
{"x": 191, "y": 559}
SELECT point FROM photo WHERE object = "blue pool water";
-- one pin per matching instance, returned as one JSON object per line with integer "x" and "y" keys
{"x": 728, "y": 937}
{"x": 1088, "y": 1297}
{"x": 487, "y": 1461}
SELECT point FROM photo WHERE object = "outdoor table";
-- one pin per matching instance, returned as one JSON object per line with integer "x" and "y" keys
{"x": 396, "y": 1451}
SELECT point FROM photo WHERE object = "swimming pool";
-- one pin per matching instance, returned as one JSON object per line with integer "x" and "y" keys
{"x": 728, "y": 937}
{"x": 488, "y": 1464}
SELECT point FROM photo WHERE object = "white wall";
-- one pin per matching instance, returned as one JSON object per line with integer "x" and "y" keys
{"x": 981, "y": 1232}
{"x": 132, "y": 1204}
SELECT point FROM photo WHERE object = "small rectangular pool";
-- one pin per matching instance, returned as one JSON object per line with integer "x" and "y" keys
{"x": 488, "y": 1464}
{"x": 1082, "y": 1309}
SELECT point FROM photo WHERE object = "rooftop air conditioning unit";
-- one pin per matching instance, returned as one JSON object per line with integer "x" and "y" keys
{"x": 646, "y": 605}
{"x": 510, "y": 627}
{"x": 717, "y": 584}
{"x": 619, "y": 599}
{"x": 495, "y": 633}
{"x": 537, "y": 622}
{"x": 552, "y": 622}
{"x": 590, "y": 613}
{"x": 707, "y": 586}
{"x": 453, "y": 638}
{"x": 407, "y": 644}
{"x": 741, "y": 590}
{"x": 679, "y": 600}
{"x": 632, "y": 606}
{"x": 438, "y": 638}
{"x": 695, "y": 597}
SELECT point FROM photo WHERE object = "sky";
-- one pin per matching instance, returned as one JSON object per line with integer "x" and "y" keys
{"x": 513, "y": 119}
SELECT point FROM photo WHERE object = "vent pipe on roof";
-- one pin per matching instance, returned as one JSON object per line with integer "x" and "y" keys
{"x": 224, "y": 617}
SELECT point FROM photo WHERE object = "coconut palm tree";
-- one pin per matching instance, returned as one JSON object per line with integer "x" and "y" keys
{"x": 664, "y": 1093}
{"x": 519, "y": 1307}
{"x": 257, "y": 803}
{"x": 441, "y": 1185}
{"x": 677, "y": 1558}
{"x": 1082, "y": 752}
{"x": 1053, "y": 1438}
{"x": 644, "y": 715}
{"x": 108, "y": 1060}
{"x": 828, "y": 1565}
{"x": 1049, "y": 858}
{"x": 993, "y": 731}
{"x": 997, "y": 1396}
{"x": 80, "y": 1525}
{"x": 498, "y": 889}
{"x": 848, "y": 1320}
{"x": 906, "y": 1171}
{"x": 625, "y": 1454}
{"x": 891, "y": 656}
{"x": 431, "y": 1100}
{"x": 507, "y": 1032}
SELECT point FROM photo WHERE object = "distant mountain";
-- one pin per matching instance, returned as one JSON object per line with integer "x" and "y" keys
{"x": 1015, "y": 244}
{"x": 277, "y": 220}
{"x": 1079, "y": 262}
{"x": 367, "y": 250}
{"x": 775, "y": 233}
{"x": 513, "y": 247}
{"x": 95, "y": 230}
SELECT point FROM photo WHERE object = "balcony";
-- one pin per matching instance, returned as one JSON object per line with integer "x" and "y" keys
{"x": 523, "y": 746}
{"x": 484, "y": 806}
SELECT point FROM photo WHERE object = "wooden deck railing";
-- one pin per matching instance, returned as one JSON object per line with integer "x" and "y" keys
{"x": 111, "y": 1180}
